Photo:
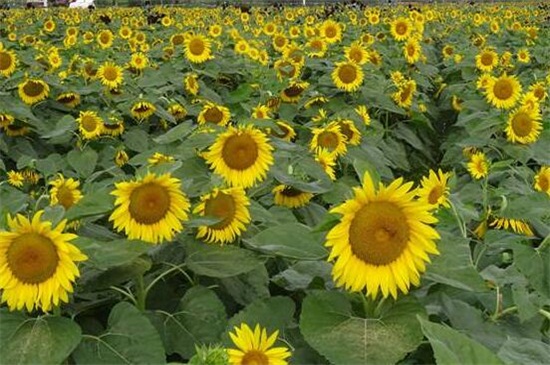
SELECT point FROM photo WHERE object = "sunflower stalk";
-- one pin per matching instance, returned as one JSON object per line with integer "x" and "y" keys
{"x": 141, "y": 294}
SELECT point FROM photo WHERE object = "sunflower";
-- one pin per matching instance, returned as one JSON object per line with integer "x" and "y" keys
{"x": 114, "y": 128}
{"x": 434, "y": 190}
{"x": 37, "y": 263}
{"x": 242, "y": 156}
{"x": 32, "y": 91}
{"x": 230, "y": 207}
{"x": 401, "y": 28}
{"x": 121, "y": 158}
{"x": 350, "y": 131}
{"x": 517, "y": 225}
{"x": 286, "y": 133}
{"x": 139, "y": 61}
{"x": 487, "y": 60}
{"x": 6, "y": 119}
{"x": 31, "y": 176}
{"x": 215, "y": 114}
{"x": 14, "y": 130}
{"x": 191, "y": 83}
{"x": 110, "y": 75}
{"x": 159, "y": 158}
{"x": 347, "y": 76}
{"x": 287, "y": 68}
{"x": 404, "y": 95}
{"x": 197, "y": 49}
{"x": 125, "y": 32}
{"x": 524, "y": 126}
{"x": 447, "y": 51}
{"x": 539, "y": 90}
{"x": 542, "y": 180}
{"x": 151, "y": 208}
{"x": 316, "y": 47}
{"x": 293, "y": 92}
{"x": 261, "y": 112}
{"x": 363, "y": 113}
{"x": 383, "y": 239}
{"x": 178, "y": 111}
{"x": 478, "y": 165}
{"x": 412, "y": 50}
{"x": 69, "y": 99}
{"x": 356, "y": 53}
{"x": 105, "y": 38}
{"x": 329, "y": 138}
{"x": 279, "y": 42}
{"x": 503, "y": 92}
{"x": 49, "y": 26}
{"x": 64, "y": 192}
{"x": 142, "y": 110}
{"x": 256, "y": 347}
{"x": 16, "y": 178}
{"x": 90, "y": 124}
{"x": 8, "y": 62}
{"x": 288, "y": 196}
{"x": 524, "y": 56}
{"x": 331, "y": 31}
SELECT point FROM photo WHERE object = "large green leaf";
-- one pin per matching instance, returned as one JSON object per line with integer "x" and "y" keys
{"x": 452, "y": 347}
{"x": 41, "y": 340}
{"x": 219, "y": 261}
{"x": 129, "y": 339}
{"x": 294, "y": 240}
{"x": 103, "y": 255}
{"x": 200, "y": 319}
{"x": 248, "y": 287}
{"x": 330, "y": 326}
{"x": 94, "y": 203}
{"x": 524, "y": 351}
{"x": 83, "y": 162}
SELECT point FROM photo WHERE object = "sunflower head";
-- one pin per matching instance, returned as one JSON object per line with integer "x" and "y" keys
{"x": 256, "y": 347}
{"x": 478, "y": 165}
{"x": 215, "y": 114}
{"x": 434, "y": 190}
{"x": 8, "y": 62}
{"x": 347, "y": 76}
{"x": 503, "y": 92}
{"x": 542, "y": 180}
{"x": 142, "y": 110}
{"x": 64, "y": 192}
{"x": 291, "y": 197}
{"x": 198, "y": 49}
{"x": 32, "y": 91}
{"x": 383, "y": 239}
{"x": 524, "y": 125}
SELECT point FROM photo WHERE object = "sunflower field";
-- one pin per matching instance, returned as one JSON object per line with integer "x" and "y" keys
{"x": 275, "y": 185}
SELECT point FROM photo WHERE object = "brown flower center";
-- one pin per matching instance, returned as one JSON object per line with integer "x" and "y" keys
{"x": 435, "y": 194}
{"x": 65, "y": 197}
{"x": 240, "y": 152}
{"x": 503, "y": 89}
{"x": 32, "y": 258}
{"x": 33, "y": 88}
{"x": 196, "y": 47}
{"x": 347, "y": 74}
{"x": 221, "y": 206}
{"x": 255, "y": 357}
{"x": 213, "y": 115}
{"x": 5, "y": 61}
{"x": 149, "y": 203}
{"x": 328, "y": 140}
{"x": 379, "y": 233}
{"x": 522, "y": 124}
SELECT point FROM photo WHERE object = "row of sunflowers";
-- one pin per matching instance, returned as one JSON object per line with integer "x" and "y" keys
{"x": 311, "y": 185}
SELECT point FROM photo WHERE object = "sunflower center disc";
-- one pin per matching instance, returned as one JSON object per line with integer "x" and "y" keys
{"x": 223, "y": 207}
{"x": 522, "y": 124}
{"x": 347, "y": 74}
{"x": 503, "y": 89}
{"x": 544, "y": 183}
{"x": 65, "y": 197}
{"x": 213, "y": 115}
{"x": 104, "y": 38}
{"x": 435, "y": 194}
{"x": 255, "y": 357}
{"x": 110, "y": 73}
{"x": 356, "y": 55}
{"x": 330, "y": 32}
{"x": 293, "y": 91}
{"x": 378, "y": 233}
{"x": 291, "y": 192}
{"x": 32, "y": 258}
{"x": 539, "y": 93}
{"x": 33, "y": 88}
{"x": 149, "y": 203}
{"x": 411, "y": 50}
{"x": 346, "y": 130}
{"x": 88, "y": 123}
{"x": 5, "y": 61}
{"x": 328, "y": 140}
{"x": 196, "y": 46}
{"x": 401, "y": 28}
{"x": 240, "y": 152}
{"x": 487, "y": 59}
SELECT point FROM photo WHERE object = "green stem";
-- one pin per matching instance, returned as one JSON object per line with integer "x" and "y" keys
{"x": 506, "y": 311}
{"x": 545, "y": 313}
{"x": 496, "y": 314}
{"x": 141, "y": 295}
{"x": 459, "y": 220}
{"x": 56, "y": 311}
{"x": 161, "y": 276}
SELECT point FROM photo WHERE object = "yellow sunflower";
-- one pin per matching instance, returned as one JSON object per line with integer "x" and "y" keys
{"x": 32, "y": 91}
{"x": 478, "y": 165}
{"x": 139, "y": 61}
{"x": 242, "y": 156}
{"x": 159, "y": 158}
{"x": 487, "y": 60}
{"x": 503, "y": 92}
{"x": 121, "y": 158}
{"x": 198, "y": 49}
{"x": 542, "y": 180}
{"x": 524, "y": 126}
{"x": 90, "y": 124}
{"x": 347, "y": 76}
{"x": 6, "y": 119}
{"x": 331, "y": 31}
{"x": 230, "y": 206}
{"x": 69, "y": 99}
{"x": 524, "y": 56}
{"x": 191, "y": 83}
{"x": 327, "y": 160}
{"x": 288, "y": 196}
{"x": 64, "y": 192}
{"x": 401, "y": 29}
{"x": 404, "y": 95}
{"x": 363, "y": 112}
{"x": 539, "y": 90}
{"x": 329, "y": 138}
{"x": 348, "y": 129}
{"x": 15, "y": 178}
{"x": 261, "y": 112}
{"x": 142, "y": 110}
{"x": 434, "y": 190}
{"x": 412, "y": 50}
{"x": 105, "y": 38}
{"x": 383, "y": 239}
{"x": 114, "y": 128}
{"x": 215, "y": 114}
{"x": 37, "y": 263}
{"x": 293, "y": 92}
{"x": 256, "y": 347}
{"x": 283, "y": 131}
{"x": 110, "y": 75}
{"x": 517, "y": 225}
{"x": 356, "y": 53}
{"x": 178, "y": 111}
{"x": 8, "y": 62}
{"x": 151, "y": 208}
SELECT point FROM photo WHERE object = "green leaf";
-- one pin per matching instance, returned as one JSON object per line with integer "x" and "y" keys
{"x": 129, "y": 339}
{"x": 93, "y": 203}
{"x": 274, "y": 313}
{"x": 219, "y": 261}
{"x": 42, "y": 340}
{"x": 65, "y": 125}
{"x": 452, "y": 347}
{"x": 83, "y": 162}
{"x": 524, "y": 351}
{"x": 136, "y": 140}
{"x": 177, "y": 133}
{"x": 535, "y": 265}
{"x": 293, "y": 240}
{"x": 248, "y": 287}
{"x": 104, "y": 255}
{"x": 330, "y": 326}
{"x": 300, "y": 275}
{"x": 454, "y": 266}
{"x": 200, "y": 319}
